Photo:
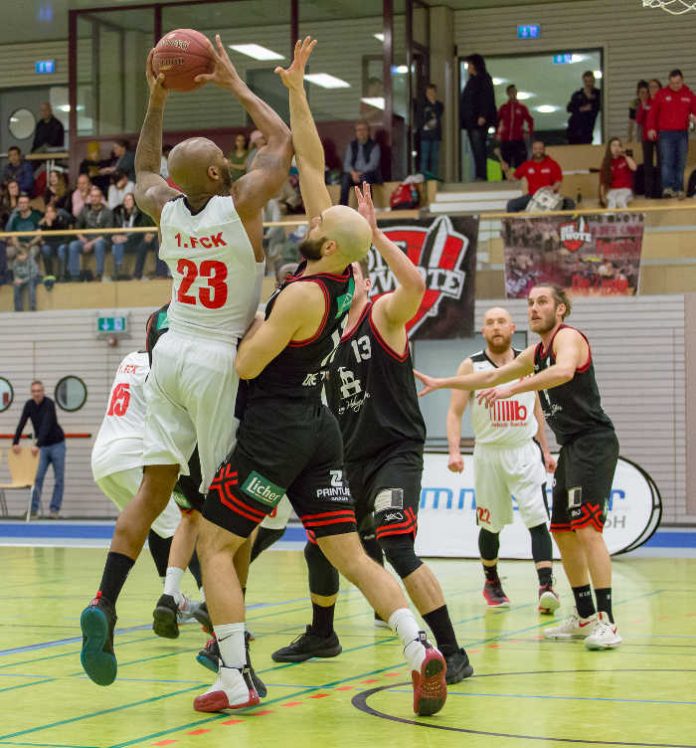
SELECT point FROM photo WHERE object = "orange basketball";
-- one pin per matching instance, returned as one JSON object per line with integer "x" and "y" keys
{"x": 182, "y": 55}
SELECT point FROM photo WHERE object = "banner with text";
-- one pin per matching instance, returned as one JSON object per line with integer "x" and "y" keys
{"x": 445, "y": 251}
{"x": 589, "y": 255}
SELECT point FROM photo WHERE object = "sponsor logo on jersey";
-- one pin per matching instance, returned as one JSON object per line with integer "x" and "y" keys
{"x": 508, "y": 413}
{"x": 575, "y": 235}
{"x": 344, "y": 301}
{"x": 311, "y": 380}
{"x": 352, "y": 395}
{"x": 262, "y": 489}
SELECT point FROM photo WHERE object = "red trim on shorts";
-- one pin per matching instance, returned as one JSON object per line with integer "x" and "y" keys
{"x": 408, "y": 527}
{"x": 561, "y": 527}
{"x": 591, "y": 517}
{"x": 322, "y": 515}
{"x": 311, "y": 537}
{"x": 320, "y": 329}
{"x": 336, "y": 521}
{"x": 400, "y": 357}
{"x": 233, "y": 502}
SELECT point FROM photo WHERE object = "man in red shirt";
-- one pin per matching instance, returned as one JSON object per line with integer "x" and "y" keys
{"x": 512, "y": 117}
{"x": 673, "y": 107}
{"x": 540, "y": 171}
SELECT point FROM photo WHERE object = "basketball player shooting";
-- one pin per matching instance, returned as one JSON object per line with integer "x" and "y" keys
{"x": 212, "y": 242}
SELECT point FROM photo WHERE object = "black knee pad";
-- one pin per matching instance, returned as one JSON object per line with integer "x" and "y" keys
{"x": 265, "y": 538}
{"x": 401, "y": 554}
{"x": 542, "y": 548}
{"x": 489, "y": 544}
{"x": 323, "y": 578}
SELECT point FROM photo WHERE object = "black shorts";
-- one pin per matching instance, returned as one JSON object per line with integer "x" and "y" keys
{"x": 387, "y": 493}
{"x": 583, "y": 479}
{"x": 186, "y": 493}
{"x": 292, "y": 448}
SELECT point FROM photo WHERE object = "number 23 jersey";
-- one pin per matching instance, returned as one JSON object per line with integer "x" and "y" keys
{"x": 119, "y": 443}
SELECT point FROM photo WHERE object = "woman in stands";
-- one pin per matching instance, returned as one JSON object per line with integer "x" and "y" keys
{"x": 238, "y": 157}
{"x": 127, "y": 215}
{"x": 651, "y": 155}
{"x": 635, "y": 130}
{"x": 616, "y": 176}
{"x": 56, "y": 193}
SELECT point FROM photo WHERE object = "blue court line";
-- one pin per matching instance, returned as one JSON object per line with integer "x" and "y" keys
{"x": 50, "y": 745}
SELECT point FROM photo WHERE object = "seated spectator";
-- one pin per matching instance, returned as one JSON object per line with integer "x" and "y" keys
{"x": 123, "y": 160}
{"x": 616, "y": 176}
{"x": 95, "y": 215}
{"x": 49, "y": 132}
{"x": 56, "y": 191}
{"x": 238, "y": 157}
{"x": 512, "y": 117}
{"x": 19, "y": 169}
{"x": 361, "y": 161}
{"x": 128, "y": 215}
{"x": 91, "y": 165}
{"x": 25, "y": 218}
{"x": 539, "y": 171}
{"x": 164, "y": 161}
{"x": 635, "y": 127}
{"x": 9, "y": 195}
{"x": 26, "y": 277}
{"x": 121, "y": 186}
{"x": 79, "y": 196}
{"x": 53, "y": 248}
{"x": 583, "y": 108}
{"x": 256, "y": 142}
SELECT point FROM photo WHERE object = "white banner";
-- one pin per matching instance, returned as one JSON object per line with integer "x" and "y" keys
{"x": 447, "y": 516}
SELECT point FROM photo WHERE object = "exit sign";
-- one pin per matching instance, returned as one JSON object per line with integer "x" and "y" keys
{"x": 529, "y": 31}
{"x": 112, "y": 324}
{"x": 563, "y": 59}
{"x": 45, "y": 67}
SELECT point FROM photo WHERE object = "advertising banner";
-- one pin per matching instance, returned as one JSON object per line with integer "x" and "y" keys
{"x": 447, "y": 515}
{"x": 589, "y": 255}
{"x": 444, "y": 249}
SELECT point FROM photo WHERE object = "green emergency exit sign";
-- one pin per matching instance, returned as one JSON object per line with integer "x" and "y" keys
{"x": 112, "y": 324}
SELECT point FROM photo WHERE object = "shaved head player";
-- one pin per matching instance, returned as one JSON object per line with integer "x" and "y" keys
{"x": 212, "y": 243}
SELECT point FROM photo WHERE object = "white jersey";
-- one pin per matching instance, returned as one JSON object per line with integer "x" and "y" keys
{"x": 216, "y": 279}
{"x": 507, "y": 423}
{"x": 119, "y": 443}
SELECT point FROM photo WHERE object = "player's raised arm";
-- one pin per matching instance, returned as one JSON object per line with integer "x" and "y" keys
{"x": 305, "y": 138}
{"x": 151, "y": 190}
{"x": 458, "y": 402}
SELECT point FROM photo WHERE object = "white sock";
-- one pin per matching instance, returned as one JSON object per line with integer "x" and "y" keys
{"x": 172, "y": 583}
{"x": 202, "y": 591}
{"x": 405, "y": 626}
{"x": 230, "y": 638}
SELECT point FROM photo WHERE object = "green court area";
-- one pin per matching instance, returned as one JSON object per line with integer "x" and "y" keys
{"x": 526, "y": 691}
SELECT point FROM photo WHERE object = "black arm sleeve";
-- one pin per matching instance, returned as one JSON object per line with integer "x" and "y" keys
{"x": 22, "y": 422}
{"x": 47, "y": 423}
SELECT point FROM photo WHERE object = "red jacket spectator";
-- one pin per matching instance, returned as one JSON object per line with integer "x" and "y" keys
{"x": 511, "y": 118}
{"x": 621, "y": 174}
{"x": 670, "y": 109}
{"x": 544, "y": 173}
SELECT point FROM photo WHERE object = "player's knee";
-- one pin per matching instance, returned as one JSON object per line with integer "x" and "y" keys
{"x": 323, "y": 578}
{"x": 489, "y": 544}
{"x": 401, "y": 554}
{"x": 542, "y": 548}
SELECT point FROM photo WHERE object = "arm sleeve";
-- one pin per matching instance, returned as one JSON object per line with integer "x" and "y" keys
{"x": 529, "y": 120}
{"x": 348, "y": 159}
{"x": 375, "y": 157}
{"x": 47, "y": 423}
{"x": 556, "y": 174}
{"x": 573, "y": 104}
{"x": 651, "y": 118}
{"x": 22, "y": 422}
{"x": 521, "y": 171}
{"x": 25, "y": 177}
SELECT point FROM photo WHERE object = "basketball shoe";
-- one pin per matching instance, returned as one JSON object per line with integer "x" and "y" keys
{"x": 458, "y": 667}
{"x": 209, "y": 657}
{"x": 309, "y": 645}
{"x": 97, "y": 656}
{"x": 493, "y": 592}
{"x": 233, "y": 689}
{"x": 604, "y": 634}
{"x": 430, "y": 680}
{"x": 165, "y": 621}
{"x": 573, "y": 627}
{"x": 549, "y": 601}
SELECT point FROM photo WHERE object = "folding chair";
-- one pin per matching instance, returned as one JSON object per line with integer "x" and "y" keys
{"x": 23, "y": 467}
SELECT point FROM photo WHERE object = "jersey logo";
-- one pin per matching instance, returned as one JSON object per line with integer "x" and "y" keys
{"x": 311, "y": 380}
{"x": 574, "y": 235}
{"x": 344, "y": 301}
{"x": 508, "y": 413}
{"x": 349, "y": 384}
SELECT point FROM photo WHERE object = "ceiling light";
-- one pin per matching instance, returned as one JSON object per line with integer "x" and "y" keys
{"x": 546, "y": 109}
{"x": 324, "y": 80}
{"x": 376, "y": 101}
{"x": 499, "y": 81}
{"x": 578, "y": 58}
{"x": 524, "y": 95}
{"x": 379, "y": 37}
{"x": 400, "y": 69}
{"x": 256, "y": 51}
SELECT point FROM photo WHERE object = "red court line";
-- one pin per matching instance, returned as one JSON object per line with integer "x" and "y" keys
{"x": 293, "y": 703}
{"x": 198, "y": 732}
{"x": 319, "y": 696}
{"x": 165, "y": 742}
{"x": 344, "y": 688}
{"x": 232, "y": 722}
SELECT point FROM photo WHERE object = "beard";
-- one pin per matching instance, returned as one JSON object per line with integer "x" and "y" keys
{"x": 310, "y": 249}
{"x": 226, "y": 180}
{"x": 543, "y": 325}
{"x": 499, "y": 345}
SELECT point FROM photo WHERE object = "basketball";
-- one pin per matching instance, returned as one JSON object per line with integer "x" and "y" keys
{"x": 182, "y": 55}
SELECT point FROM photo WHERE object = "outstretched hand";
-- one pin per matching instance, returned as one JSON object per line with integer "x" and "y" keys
{"x": 224, "y": 72}
{"x": 492, "y": 395}
{"x": 366, "y": 207}
{"x": 431, "y": 383}
{"x": 293, "y": 76}
{"x": 155, "y": 82}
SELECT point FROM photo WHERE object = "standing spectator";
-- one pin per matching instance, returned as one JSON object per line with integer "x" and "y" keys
{"x": 79, "y": 196}
{"x": 56, "y": 190}
{"x": 121, "y": 186}
{"x": 238, "y": 157}
{"x": 431, "y": 133}
{"x": 540, "y": 171}
{"x": 95, "y": 215}
{"x": 49, "y": 441}
{"x": 49, "y": 131}
{"x": 616, "y": 176}
{"x": 361, "y": 161}
{"x": 124, "y": 160}
{"x": 25, "y": 218}
{"x": 19, "y": 169}
{"x": 671, "y": 112}
{"x": 512, "y": 118}
{"x": 651, "y": 158}
{"x": 256, "y": 142}
{"x": 53, "y": 247}
{"x": 584, "y": 106}
{"x": 477, "y": 111}
{"x": 635, "y": 128}
{"x": 26, "y": 277}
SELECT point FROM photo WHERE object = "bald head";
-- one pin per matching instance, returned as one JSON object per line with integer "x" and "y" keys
{"x": 498, "y": 329}
{"x": 349, "y": 230}
{"x": 199, "y": 167}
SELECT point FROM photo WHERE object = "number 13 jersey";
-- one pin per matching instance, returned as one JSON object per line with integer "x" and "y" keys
{"x": 216, "y": 279}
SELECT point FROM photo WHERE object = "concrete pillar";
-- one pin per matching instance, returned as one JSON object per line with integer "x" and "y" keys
{"x": 444, "y": 75}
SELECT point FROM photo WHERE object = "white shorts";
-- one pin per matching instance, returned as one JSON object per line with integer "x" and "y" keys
{"x": 278, "y": 518}
{"x": 122, "y": 487}
{"x": 190, "y": 393}
{"x": 500, "y": 474}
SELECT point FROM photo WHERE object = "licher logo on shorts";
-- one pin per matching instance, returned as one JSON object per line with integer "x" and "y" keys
{"x": 262, "y": 489}
{"x": 574, "y": 235}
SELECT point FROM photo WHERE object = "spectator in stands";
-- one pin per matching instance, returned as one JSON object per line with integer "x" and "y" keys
{"x": 431, "y": 112}
{"x": 512, "y": 118}
{"x": 53, "y": 248}
{"x": 79, "y": 196}
{"x": 164, "y": 161}
{"x": 92, "y": 164}
{"x": 540, "y": 171}
{"x": 19, "y": 169}
{"x": 635, "y": 128}
{"x": 289, "y": 197}
{"x": 256, "y": 142}
{"x": 95, "y": 215}
{"x": 25, "y": 218}
{"x": 124, "y": 160}
{"x": 26, "y": 277}
{"x": 56, "y": 190}
{"x": 584, "y": 106}
{"x": 49, "y": 441}
{"x": 127, "y": 216}
{"x": 273, "y": 236}
{"x": 671, "y": 112}
{"x": 238, "y": 157}
{"x": 651, "y": 160}
{"x": 49, "y": 131}
{"x": 477, "y": 111}
{"x": 120, "y": 187}
{"x": 361, "y": 161}
{"x": 9, "y": 196}
{"x": 616, "y": 176}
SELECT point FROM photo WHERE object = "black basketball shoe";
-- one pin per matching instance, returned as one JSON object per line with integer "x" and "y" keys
{"x": 309, "y": 645}
{"x": 97, "y": 622}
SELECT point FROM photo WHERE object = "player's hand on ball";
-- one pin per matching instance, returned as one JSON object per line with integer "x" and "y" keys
{"x": 549, "y": 462}
{"x": 155, "y": 82}
{"x": 293, "y": 76}
{"x": 431, "y": 383}
{"x": 224, "y": 72}
{"x": 488, "y": 397}
{"x": 366, "y": 207}
{"x": 455, "y": 464}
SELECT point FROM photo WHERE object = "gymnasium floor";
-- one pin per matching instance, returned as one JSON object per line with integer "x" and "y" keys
{"x": 526, "y": 691}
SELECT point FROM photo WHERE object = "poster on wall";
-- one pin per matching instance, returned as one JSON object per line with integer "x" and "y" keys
{"x": 447, "y": 515}
{"x": 588, "y": 255}
{"x": 444, "y": 249}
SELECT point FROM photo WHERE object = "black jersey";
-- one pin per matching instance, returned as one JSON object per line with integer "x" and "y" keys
{"x": 573, "y": 408}
{"x": 372, "y": 393}
{"x": 299, "y": 370}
